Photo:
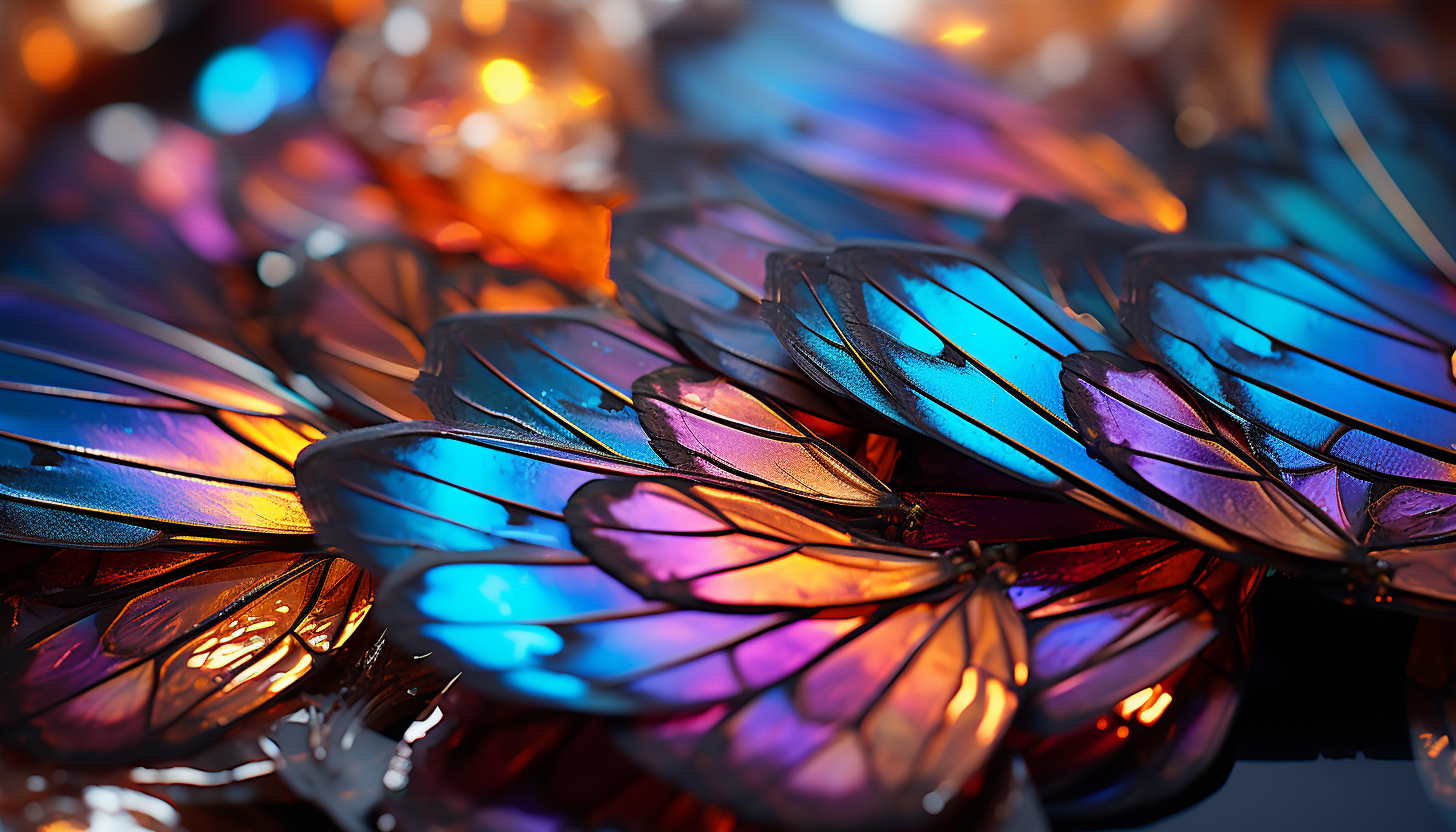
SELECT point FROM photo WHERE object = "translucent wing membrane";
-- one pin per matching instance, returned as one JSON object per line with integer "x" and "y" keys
{"x": 700, "y": 545}
{"x": 1152, "y": 745}
{"x": 381, "y": 493}
{"x": 565, "y": 376}
{"x": 355, "y": 323}
{"x": 119, "y": 431}
{"x": 131, "y": 656}
{"x": 1340, "y": 383}
{"x": 704, "y": 424}
{"x": 882, "y": 731}
{"x": 1071, "y": 253}
{"x": 963, "y": 354}
{"x": 1379, "y": 156}
{"x": 694, "y": 271}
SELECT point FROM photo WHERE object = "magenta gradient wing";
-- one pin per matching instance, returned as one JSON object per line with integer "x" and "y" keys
{"x": 882, "y": 731}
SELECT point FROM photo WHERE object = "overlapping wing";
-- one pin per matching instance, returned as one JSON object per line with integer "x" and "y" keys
{"x": 1340, "y": 382}
{"x": 1072, "y": 254}
{"x": 1367, "y": 148}
{"x": 564, "y": 375}
{"x": 355, "y": 323}
{"x": 965, "y": 355}
{"x": 705, "y": 424}
{"x": 694, "y": 272}
{"x": 883, "y": 730}
{"x": 117, "y": 430}
{"x": 124, "y": 657}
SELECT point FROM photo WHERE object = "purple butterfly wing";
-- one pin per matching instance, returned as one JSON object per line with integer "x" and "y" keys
{"x": 121, "y": 430}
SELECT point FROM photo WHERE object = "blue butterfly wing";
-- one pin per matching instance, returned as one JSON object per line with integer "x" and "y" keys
{"x": 1356, "y": 138}
{"x": 1343, "y": 381}
{"x": 1072, "y": 254}
{"x": 565, "y": 375}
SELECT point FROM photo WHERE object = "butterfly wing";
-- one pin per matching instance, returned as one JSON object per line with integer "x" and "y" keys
{"x": 108, "y": 664}
{"x": 120, "y": 430}
{"x": 1341, "y": 382}
{"x": 1072, "y": 254}
{"x": 694, "y": 271}
{"x": 355, "y": 322}
{"x": 969, "y": 356}
{"x": 882, "y": 730}
{"x": 705, "y": 424}
{"x": 565, "y": 375}
{"x": 1365, "y": 146}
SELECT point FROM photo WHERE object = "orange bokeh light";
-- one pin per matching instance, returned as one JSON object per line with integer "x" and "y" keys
{"x": 49, "y": 55}
{"x": 484, "y": 17}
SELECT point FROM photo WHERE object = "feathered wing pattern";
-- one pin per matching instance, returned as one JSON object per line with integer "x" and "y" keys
{"x": 564, "y": 375}
{"x": 120, "y": 431}
{"x": 965, "y": 355}
{"x": 701, "y": 423}
{"x": 355, "y": 323}
{"x": 143, "y": 655}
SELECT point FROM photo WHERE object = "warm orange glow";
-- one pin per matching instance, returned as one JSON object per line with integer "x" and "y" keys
{"x": 505, "y": 80}
{"x": 963, "y": 697}
{"x": 1169, "y": 212}
{"x": 1151, "y": 713}
{"x": 1020, "y": 673}
{"x": 586, "y": 95}
{"x": 1126, "y": 707}
{"x": 352, "y": 11}
{"x": 961, "y": 34}
{"x": 458, "y": 236}
{"x": 1102, "y": 724}
{"x": 48, "y": 54}
{"x": 1122, "y": 732}
{"x": 1436, "y": 747}
{"x": 995, "y": 708}
{"x": 484, "y": 17}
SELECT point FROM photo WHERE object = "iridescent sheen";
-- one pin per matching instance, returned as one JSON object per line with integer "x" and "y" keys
{"x": 355, "y": 323}
{"x": 705, "y": 424}
{"x": 121, "y": 431}
{"x": 565, "y": 375}
{"x": 151, "y": 659}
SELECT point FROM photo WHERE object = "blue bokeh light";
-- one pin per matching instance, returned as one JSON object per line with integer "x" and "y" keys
{"x": 237, "y": 90}
{"x": 298, "y": 51}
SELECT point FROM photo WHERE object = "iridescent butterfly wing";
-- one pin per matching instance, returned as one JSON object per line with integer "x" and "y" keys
{"x": 705, "y": 424}
{"x": 1072, "y": 254}
{"x": 1382, "y": 158}
{"x": 873, "y": 709}
{"x": 1339, "y": 382}
{"x": 1245, "y": 197}
{"x": 963, "y": 353}
{"x": 564, "y": 375}
{"x": 120, "y": 431}
{"x": 897, "y": 119}
{"x": 120, "y": 657}
{"x": 694, "y": 272}
{"x": 355, "y": 323}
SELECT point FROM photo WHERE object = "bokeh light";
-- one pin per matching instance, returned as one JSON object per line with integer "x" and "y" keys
{"x": 505, "y": 80}
{"x": 124, "y": 25}
{"x": 48, "y": 54}
{"x": 406, "y": 31}
{"x": 484, "y": 17}
{"x": 123, "y": 133}
{"x": 237, "y": 90}
{"x": 298, "y": 51}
